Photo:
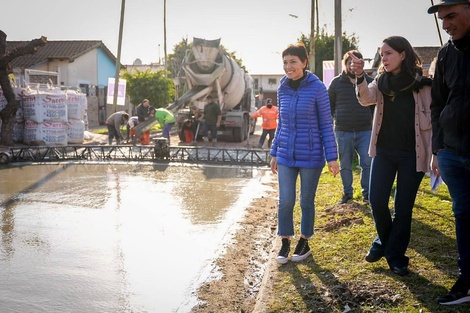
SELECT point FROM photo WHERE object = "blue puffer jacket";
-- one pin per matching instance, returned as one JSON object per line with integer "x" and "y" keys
{"x": 304, "y": 135}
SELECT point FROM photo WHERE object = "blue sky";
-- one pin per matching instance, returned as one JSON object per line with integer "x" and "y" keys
{"x": 258, "y": 30}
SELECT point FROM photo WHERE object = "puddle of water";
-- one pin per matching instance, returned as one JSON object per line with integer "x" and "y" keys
{"x": 115, "y": 238}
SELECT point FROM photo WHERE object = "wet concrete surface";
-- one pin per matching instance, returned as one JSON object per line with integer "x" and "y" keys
{"x": 115, "y": 237}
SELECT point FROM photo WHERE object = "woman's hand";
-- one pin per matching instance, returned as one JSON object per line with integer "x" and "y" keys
{"x": 333, "y": 167}
{"x": 357, "y": 65}
{"x": 435, "y": 166}
{"x": 273, "y": 164}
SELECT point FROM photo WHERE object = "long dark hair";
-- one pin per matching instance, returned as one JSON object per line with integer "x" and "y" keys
{"x": 412, "y": 62}
{"x": 298, "y": 50}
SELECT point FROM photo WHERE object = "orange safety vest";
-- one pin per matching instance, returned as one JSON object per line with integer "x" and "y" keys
{"x": 269, "y": 116}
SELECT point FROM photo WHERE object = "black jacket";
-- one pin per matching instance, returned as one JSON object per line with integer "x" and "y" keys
{"x": 348, "y": 113}
{"x": 450, "y": 107}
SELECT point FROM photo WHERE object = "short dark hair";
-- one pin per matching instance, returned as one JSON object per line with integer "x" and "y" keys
{"x": 299, "y": 50}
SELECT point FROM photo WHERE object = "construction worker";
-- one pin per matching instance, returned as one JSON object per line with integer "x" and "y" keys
{"x": 114, "y": 123}
{"x": 143, "y": 115}
{"x": 269, "y": 125}
{"x": 166, "y": 119}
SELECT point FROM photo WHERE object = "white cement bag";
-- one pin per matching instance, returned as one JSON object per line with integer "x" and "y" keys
{"x": 32, "y": 109}
{"x": 74, "y": 106}
{"x": 18, "y": 130}
{"x": 75, "y": 131}
{"x": 47, "y": 133}
{"x": 84, "y": 102}
{"x": 54, "y": 107}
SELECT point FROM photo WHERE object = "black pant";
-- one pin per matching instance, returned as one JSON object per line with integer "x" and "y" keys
{"x": 266, "y": 132}
{"x": 113, "y": 133}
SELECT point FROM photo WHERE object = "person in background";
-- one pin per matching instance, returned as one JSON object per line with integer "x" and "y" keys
{"x": 269, "y": 114}
{"x": 143, "y": 115}
{"x": 400, "y": 145}
{"x": 304, "y": 138}
{"x": 450, "y": 110}
{"x": 130, "y": 133}
{"x": 166, "y": 119}
{"x": 353, "y": 124}
{"x": 114, "y": 123}
{"x": 211, "y": 117}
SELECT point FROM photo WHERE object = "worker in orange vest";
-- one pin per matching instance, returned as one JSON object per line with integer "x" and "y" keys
{"x": 269, "y": 114}
{"x": 143, "y": 114}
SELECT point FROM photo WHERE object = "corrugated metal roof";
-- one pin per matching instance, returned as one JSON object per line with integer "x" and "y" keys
{"x": 70, "y": 50}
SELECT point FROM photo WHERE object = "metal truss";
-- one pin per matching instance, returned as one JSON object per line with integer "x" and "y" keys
{"x": 190, "y": 154}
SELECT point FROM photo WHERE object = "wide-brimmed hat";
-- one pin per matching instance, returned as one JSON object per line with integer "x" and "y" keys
{"x": 435, "y": 7}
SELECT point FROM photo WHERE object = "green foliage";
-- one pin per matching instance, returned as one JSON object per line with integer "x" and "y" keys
{"x": 232, "y": 55}
{"x": 324, "y": 47}
{"x": 176, "y": 58}
{"x": 155, "y": 86}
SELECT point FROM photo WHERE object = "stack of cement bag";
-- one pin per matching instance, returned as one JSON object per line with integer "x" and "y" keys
{"x": 53, "y": 117}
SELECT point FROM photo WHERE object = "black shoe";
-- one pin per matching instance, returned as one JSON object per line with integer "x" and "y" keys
{"x": 459, "y": 293}
{"x": 302, "y": 250}
{"x": 283, "y": 255}
{"x": 345, "y": 199}
{"x": 400, "y": 271}
{"x": 373, "y": 256}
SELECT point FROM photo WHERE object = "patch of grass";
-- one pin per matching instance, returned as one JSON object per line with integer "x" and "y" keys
{"x": 338, "y": 277}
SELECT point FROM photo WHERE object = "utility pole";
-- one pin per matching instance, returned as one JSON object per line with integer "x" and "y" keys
{"x": 338, "y": 46}
{"x": 311, "y": 60}
{"x": 164, "y": 33}
{"x": 118, "y": 59}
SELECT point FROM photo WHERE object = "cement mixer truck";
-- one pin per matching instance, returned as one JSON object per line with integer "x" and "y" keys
{"x": 209, "y": 70}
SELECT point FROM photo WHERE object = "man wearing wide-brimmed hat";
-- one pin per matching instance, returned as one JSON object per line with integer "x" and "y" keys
{"x": 450, "y": 111}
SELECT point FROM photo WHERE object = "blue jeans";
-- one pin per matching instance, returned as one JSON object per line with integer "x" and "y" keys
{"x": 166, "y": 131}
{"x": 287, "y": 177}
{"x": 393, "y": 233}
{"x": 348, "y": 144}
{"x": 455, "y": 171}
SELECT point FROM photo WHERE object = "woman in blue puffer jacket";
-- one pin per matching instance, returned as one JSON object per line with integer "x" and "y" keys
{"x": 304, "y": 139}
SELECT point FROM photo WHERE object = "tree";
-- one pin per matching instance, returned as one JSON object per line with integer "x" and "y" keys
{"x": 8, "y": 113}
{"x": 154, "y": 86}
{"x": 324, "y": 48}
{"x": 176, "y": 58}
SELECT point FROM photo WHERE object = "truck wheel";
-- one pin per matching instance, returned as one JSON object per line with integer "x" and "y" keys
{"x": 237, "y": 134}
{"x": 252, "y": 126}
{"x": 246, "y": 127}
